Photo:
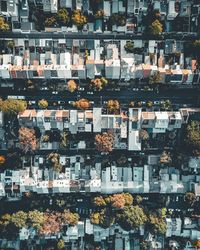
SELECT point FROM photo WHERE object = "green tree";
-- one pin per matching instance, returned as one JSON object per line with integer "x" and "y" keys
{"x": 157, "y": 224}
{"x": 156, "y": 28}
{"x": 128, "y": 199}
{"x": 43, "y": 103}
{"x": 155, "y": 78}
{"x": 4, "y": 26}
{"x": 19, "y": 219}
{"x": 131, "y": 217}
{"x": 12, "y": 106}
{"x": 63, "y": 16}
{"x": 129, "y": 46}
{"x": 118, "y": 19}
{"x": 149, "y": 104}
{"x": 190, "y": 198}
{"x": 166, "y": 104}
{"x": 138, "y": 199}
{"x": 36, "y": 219}
{"x": 11, "y": 43}
{"x": 143, "y": 135}
{"x": 193, "y": 135}
{"x": 61, "y": 244}
{"x": 106, "y": 219}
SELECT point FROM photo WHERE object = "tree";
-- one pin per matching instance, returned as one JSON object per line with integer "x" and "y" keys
{"x": 157, "y": 224}
{"x": 99, "y": 14}
{"x": 4, "y": 26}
{"x": 71, "y": 85}
{"x": 118, "y": 19}
{"x": 27, "y": 139}
{"x": 52, "y": 224}
{"x": 99, "y": 83}
{"x": 78, "y": 18}
{"x": 61, "y": 244}
{"x": 131, "y": 217}
{"x": 138, "y": 199}
{"x": 70, "y": 218}
{"x": 36, "y": 219}
{"x": 82, "y": 104}
{"x": 166, "y": 104}
{"x": 190, "y": 198}
{"x": 2, "y": 159}
{"x": 106, "y": 219}
{"x": 129, "y": 46}
{"x": 149, "y": 104}
{"x": 63, "y": 16}
{"x": 156, "y": 28}
{"x": 95, "y": 218}
{"x": 12, "y": 106}
{"x": 54, "y": 159}
{"x": 197, "y": 244}
{"x": 45, "y": 138}
{"x": 155, "y": 78}
{"x": 43, "y": 103}
{"x": 113, "y": 106}
{"x": 144, "y": 135}
{"x": 118, "y": 201}
{"x": 193, "y": 135}
{"x": 11, "y": 44}
{"x": 50, "y": 21}
{"x": 19, "y": 219}
{"x": 99, "y": 201}
{"x": 128, "y": 199}
{"x": 165, "y": 158}
{"x": 104, "y": 142}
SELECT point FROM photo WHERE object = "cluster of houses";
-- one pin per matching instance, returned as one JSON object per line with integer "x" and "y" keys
{"x": 83, "y": 59}
{"x": 126, "y": 125}
{"x": 133, "y": 10}
{"x": 83, "y": 177}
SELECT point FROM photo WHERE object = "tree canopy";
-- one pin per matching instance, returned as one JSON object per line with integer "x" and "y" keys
{"x": 104, "y": 142}
{"x": 12, "y": 106}
{"x": 132, "y": 217}
{"x": 193, "y": 135}
{"x": 27, "y": 139}
{"x": 4, "y": 26}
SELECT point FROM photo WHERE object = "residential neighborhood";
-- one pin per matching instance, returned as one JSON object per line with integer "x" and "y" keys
{"x": 99, "y": 124}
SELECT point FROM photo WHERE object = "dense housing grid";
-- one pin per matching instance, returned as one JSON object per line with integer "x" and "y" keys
{"x": 100, "y": 124}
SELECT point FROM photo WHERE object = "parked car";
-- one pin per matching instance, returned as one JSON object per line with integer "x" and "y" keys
{"x": 55, "y": 92}
{"x": 81, "y": 88}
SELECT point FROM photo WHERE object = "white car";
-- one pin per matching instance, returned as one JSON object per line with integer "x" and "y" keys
{"x": 81, "y": 89}
{"x": 55, "y": 92}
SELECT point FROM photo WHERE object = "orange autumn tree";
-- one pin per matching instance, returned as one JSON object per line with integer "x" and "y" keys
{"x": 27, "y": 139}
{"x": 78, "y": 18}
{"x": 104, "y": 142}
{"x": 71, "y": 85}
{"x": 118, "y": 201}
{"x": 99, "y": 83}
{"x": 113, "y": 106}
{"x": 99, "y": 201}
{"x": 82, "y": 104}
{"x": 51, "y": 224}
{"x": 2, "y": 159}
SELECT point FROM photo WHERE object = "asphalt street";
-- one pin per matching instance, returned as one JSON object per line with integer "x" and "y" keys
{"x": 102, "y": 36}
{"x": 176, "y": 96}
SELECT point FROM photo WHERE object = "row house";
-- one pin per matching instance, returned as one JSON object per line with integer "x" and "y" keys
{"x": 126, "y": 126}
